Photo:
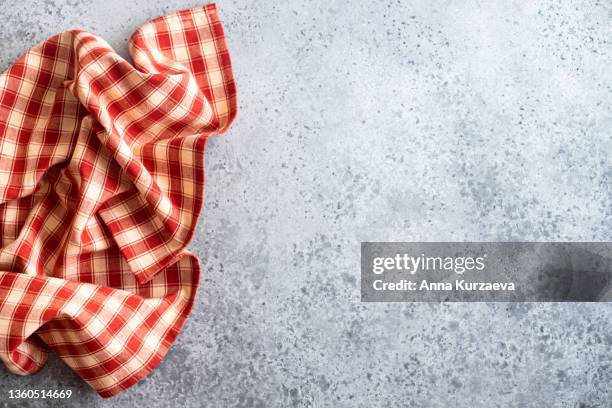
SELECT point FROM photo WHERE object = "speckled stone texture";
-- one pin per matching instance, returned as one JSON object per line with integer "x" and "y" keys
{"x": 379, "y": 121}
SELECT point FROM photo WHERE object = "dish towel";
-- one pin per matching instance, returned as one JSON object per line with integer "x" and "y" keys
{"x": 101, "y": 184}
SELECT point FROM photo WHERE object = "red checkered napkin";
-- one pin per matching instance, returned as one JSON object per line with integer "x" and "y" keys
{"x": 101, "y": 184}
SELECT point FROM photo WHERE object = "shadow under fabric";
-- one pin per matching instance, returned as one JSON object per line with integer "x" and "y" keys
{"x": 101, "y": 185}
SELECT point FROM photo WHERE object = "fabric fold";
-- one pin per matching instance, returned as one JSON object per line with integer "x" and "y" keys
{"x": 101, "y": 186}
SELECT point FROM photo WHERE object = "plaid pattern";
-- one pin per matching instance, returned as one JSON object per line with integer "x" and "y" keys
{"x": 101, "y": 184}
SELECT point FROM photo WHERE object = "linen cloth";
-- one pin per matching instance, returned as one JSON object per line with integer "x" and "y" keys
{"x": 101, "y": 184}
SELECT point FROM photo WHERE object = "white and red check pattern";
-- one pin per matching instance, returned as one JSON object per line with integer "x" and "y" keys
{"x": 101, "y": 184}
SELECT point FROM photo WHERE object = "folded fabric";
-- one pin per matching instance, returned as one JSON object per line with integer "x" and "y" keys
{"x": 101, "y": 184}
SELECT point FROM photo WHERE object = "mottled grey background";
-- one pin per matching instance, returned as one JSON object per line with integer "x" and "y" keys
{"x": 380, "y": 121}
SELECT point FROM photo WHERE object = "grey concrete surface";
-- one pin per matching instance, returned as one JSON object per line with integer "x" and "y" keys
{"x": 413, "y": 120}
